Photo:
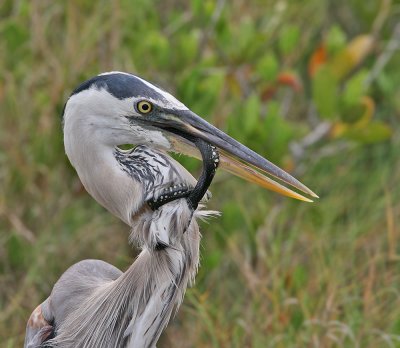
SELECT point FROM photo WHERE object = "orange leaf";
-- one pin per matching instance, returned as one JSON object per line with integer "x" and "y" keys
{"x": 369, "y": 105}
{"x": 291, "y": 80}
{"x": 352, "y": 55}
{"x": 318, "y": 58}
{"x": 338, "y": 129}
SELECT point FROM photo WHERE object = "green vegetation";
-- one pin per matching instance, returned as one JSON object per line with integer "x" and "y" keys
{"x": 312, "y": 85}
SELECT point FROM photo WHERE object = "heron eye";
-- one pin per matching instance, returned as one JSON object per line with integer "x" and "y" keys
{"x": 144, "y": 107}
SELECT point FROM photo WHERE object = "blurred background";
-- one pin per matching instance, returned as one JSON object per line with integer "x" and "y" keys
{"x": 312, "y": 85}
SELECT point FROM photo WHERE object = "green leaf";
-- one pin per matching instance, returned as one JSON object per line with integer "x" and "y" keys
{"x": 209, "y": 7}
{"x": 335, "y": 39}
{"x": 386, "y": 83}
{"x": 300, "y": 277}
{"x": 297, "y": 319}
{"x": 197, "y": 7}
{"x": 243, "y": 42}
{"x": 251, "y": 113}
{"x": 188, "y": 47}
{"x": 352, "y": 113}
{"x": 158, "y": 47}
{"x": 355, "y": 88}
{"x": 267, "y": 67}
{"x": 288, "y": 39}
{"x": 188, "y": 89}
{"x": 212, "y": 259}
{"x": 375, "y": 132}
{"x": 324, "y": 90}
{"x": 279, "y": 133}
{"x": 209, "y": 91}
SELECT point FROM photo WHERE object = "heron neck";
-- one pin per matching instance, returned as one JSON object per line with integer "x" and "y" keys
{"x": 153, "y": 287}
{"x": 163, "y": 278}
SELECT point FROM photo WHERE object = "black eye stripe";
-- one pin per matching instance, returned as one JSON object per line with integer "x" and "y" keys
{"x": 121, "y": 86}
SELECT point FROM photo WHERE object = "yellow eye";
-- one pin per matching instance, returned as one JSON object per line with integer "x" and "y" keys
{"x": 144, "y": 107}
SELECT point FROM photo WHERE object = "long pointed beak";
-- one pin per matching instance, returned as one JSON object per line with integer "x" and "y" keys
{"x": 234, "y": 156}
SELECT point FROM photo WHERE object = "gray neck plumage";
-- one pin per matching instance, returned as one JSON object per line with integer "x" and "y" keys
{"x": 133, "y": 310}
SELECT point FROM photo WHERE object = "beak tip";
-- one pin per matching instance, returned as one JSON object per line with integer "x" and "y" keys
{"x": 305, "y": 189}
{"x": 303, "y": 199}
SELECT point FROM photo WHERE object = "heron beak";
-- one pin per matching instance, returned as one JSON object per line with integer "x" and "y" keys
{"x": 234, "y": 156}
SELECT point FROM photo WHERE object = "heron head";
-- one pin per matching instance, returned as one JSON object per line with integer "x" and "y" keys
{"x": 119, "y": 108}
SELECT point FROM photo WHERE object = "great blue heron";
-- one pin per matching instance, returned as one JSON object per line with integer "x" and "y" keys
{"x": 94, "y": 304}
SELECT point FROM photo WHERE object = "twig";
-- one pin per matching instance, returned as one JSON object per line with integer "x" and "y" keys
{"x": 298, "y": 148}
{"x": 392, "y": 46}
{"x": 214, "y": 20}
{"x": 19, "y": 226}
